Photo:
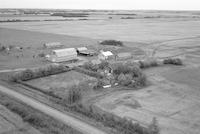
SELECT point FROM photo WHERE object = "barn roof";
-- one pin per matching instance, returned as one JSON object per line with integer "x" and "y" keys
{"x": 82, "y": 48}
{"x": 65, "y": 52}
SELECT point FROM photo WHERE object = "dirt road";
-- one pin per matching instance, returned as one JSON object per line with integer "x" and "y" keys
{"x": 70, "y": 121}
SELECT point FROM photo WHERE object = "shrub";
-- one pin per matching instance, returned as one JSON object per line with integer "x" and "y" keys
{"x": 129, "y": 75}
{"x": 70, "y": 14}
{"x": 112, "y": 43}
{"x": 103, "y": 64}
{"x": 41, "y": 55}
{"x": 74, "y": 95}
{"x": 26, "y": 75}
{"x": 99, "y": 84}
{"x": 29, "y": 74}
{"x": 88, "y": 72}
{"x": 148, "y": 63}
{"x": 175, "y": 61}
{"x": 90, "y": 66}
{"x": 153, "y": 127}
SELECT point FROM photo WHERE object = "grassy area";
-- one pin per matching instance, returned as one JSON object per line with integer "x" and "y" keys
{"x": 38, "y": 120}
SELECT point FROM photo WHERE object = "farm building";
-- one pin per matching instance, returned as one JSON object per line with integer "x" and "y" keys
{"x": 105, "y": 55}
{"x": 62, "y": 55}
{"x": 85, "y": 52}
{"x": 53, "y": 45}
{"x": 123, "y": 56}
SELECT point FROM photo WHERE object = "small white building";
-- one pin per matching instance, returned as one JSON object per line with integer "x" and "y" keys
{"x": 53, "y": 45}
{"x": 105, "y": 55}
{"x": 62, "y": 55}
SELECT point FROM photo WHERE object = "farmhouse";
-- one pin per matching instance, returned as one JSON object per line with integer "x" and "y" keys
{"x": 62, "y": 55}
{"x": 52, "y": 45}
{"x": 105, "y": 55}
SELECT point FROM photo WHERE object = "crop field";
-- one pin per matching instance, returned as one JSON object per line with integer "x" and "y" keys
{"x": 134, "y": 30}
{"x": 60, "y": 83}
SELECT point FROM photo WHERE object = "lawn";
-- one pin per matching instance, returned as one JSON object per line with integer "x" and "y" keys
{"x": 61, "y": 83}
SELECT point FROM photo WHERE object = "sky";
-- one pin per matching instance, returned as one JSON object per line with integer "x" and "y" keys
{"x": 104, "y": 4}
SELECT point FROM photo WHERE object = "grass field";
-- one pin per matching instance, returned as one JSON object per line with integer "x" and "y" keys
{"x": 61, "y": 83}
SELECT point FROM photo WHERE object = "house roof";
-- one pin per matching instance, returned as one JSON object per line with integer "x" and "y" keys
{"x": 107, "y": 53}
{"x": 65, "y": 52}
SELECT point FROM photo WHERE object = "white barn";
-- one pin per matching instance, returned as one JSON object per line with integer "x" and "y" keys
{"x": 62, "y": 55}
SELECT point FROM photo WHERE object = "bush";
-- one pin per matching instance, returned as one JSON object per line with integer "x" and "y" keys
{"x": 100, "y": 84}
{"x": 88, "y": 72}
{"x": 70, "y": 14}
{"x": 29, "y": 74}
{"x": 153, "y": 127}
{"x": 112, "y": 43}
{"x": 148, "y": 63}
{"x": 74, "y": 95}
{"x": 26, "y": 75}
{"x": 103, "y": 64}
{"x": 122, "y": 125}
{"x": 90, "y": 66}
{"x": 129, "y": 75}
{"x": 175, "y": 61}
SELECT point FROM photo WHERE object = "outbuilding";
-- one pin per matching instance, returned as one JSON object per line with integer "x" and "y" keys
{"x": 85, "y": 52}
{"x": 62, "y": 55}
{"x": 105, "y": 55}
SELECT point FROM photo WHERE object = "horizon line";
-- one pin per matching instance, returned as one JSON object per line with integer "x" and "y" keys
{"x": 101, "y": 9}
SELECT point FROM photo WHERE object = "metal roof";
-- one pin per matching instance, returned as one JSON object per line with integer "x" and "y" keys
{"x": 107, "y": 53}
{"x": 65, "y": 52}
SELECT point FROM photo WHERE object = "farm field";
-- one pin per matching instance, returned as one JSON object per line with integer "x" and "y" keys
{"x": 173, "y": 93}
{"x": 133, "y": 30}
{"x": 11, "y": 123}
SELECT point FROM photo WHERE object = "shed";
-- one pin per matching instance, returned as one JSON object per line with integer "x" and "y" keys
{"x": 52, "y": 45}
{"x": 123, "y": 56}
{"x": 62, "y": 55}
{"x": 105, "y": 55}
{"x": 85, "y": 52}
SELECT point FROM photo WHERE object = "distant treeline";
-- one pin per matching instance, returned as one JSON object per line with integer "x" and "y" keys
{"x": 70, "y": 14}
{"x": 132, "y": 14}
{"x": 17, "y": 20}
